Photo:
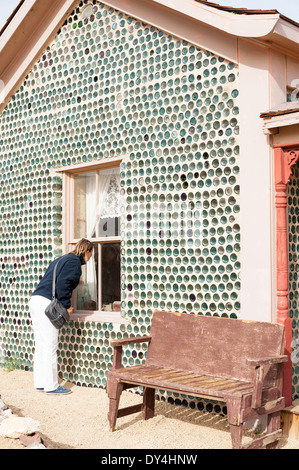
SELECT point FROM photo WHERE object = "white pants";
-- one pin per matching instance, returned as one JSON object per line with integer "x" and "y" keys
{"x": 46, "y": 343}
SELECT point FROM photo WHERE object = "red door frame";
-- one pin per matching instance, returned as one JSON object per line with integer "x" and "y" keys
{"x": 285, "y": 157}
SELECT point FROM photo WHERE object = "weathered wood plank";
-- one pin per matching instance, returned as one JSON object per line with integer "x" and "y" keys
{"x": 192, "y": 380}
{"x": 122, "y": 370}
{"x": 195, "y": 388}
{"x": 157, "y": 372}
{"x": 255, "y": 362}
{"x": 126, "y": 341}
{"x": 209, "y": 383}
{"x": 257, "y": 387}
{"x": 235, "y": 387}
{"x": 211, "y": 345}
{"x": 145, "y": 370}
{"x": 129, "y": 410}
{"x": 263, "y": 441}
{"x": 268, "y": 407}
{"x": 164, "y": 374}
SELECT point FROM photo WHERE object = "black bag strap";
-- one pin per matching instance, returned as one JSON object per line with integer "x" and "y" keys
{"x": 54, "y": 280}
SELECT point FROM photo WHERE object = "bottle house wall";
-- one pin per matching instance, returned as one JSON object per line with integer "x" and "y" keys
{"x": 109, "y": 85}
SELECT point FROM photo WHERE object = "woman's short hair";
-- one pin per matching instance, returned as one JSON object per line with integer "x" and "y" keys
{"x": 82, "y": 247}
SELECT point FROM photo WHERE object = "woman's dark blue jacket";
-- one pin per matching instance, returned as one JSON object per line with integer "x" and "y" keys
{"x": 67, "y": 278}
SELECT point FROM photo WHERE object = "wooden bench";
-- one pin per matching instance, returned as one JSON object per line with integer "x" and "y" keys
{"x": 234, "y": 361}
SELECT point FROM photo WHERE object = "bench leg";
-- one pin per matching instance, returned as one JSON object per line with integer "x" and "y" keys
{"x": 113, "y": 406}
{"x": 148, "y": 403}
{"x": 236, "y": 432}
{"x": 236, "y": 428}
{"x": 273, "y": 425}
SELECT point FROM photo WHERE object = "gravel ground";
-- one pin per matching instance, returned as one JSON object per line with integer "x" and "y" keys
{"x": 79, "y": 420}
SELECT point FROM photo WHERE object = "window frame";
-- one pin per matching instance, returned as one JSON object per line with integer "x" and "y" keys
{"x": 68, "y": 174}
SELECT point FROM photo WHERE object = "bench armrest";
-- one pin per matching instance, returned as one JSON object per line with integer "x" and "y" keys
{"x": 265, "y": 361}
{"x": 118, "y": 344}
{"x": 124, "y": 342}
{"x": 261, "y": 364}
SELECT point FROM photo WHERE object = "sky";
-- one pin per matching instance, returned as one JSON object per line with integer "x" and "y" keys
{"x": 6, "y": 9}
{"x": 289, "y": 8}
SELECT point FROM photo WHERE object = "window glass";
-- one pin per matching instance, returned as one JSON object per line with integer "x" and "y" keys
{"x": 97, "y": 204}
{"x": 111, "y": 276}
{"x": 109, "y": 203}
{"x": 87, "y": 291}
{"x": 85, "y": 205}
{"x": 104, "y": 265}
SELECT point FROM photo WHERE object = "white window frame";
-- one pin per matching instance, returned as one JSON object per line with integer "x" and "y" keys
{"x": 68, "y": 174}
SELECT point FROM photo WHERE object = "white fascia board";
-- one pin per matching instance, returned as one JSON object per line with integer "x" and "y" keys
{"x": 287, "y": 30}
{"x": 16, "y": 22}
{"x": 251, "y": 26}
{"x": 32, "y": 46}
{"x": 280, "y": 121}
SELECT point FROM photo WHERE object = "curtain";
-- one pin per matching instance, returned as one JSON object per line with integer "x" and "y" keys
{"x": 92, "y": 293}
{"x": 107, "y": 205}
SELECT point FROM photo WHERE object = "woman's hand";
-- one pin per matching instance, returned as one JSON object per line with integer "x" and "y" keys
{"x": 70, "y": 310}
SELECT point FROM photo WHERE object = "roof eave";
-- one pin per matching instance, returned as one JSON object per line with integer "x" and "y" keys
{"x": 250, "y": 26}
{"x": 267, "y": 27}
{"x": 25, "y": 38}
{"x": 285, "y": 35}
{"x": 36, "y": 22}
{"x": 272, "y": 123}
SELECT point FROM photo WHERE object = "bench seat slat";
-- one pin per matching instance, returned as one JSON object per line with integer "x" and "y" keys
{"x": 193, "y": 379}
{"x": 181, "y": 377}
{"x": 182, "y": 381}
{"x": 132, "y": 369}
{"x": 208, "y": 384}
{"x": 159, "y": 372}
{"x": 167, "y": 374}
{"x": 137, "y": 369}
{"x": 215, "y": 383}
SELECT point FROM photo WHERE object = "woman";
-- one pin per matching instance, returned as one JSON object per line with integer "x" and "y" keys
{"x": 45, "y": 334}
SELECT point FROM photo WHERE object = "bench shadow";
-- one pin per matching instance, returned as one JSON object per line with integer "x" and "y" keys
{"x": 207, "y": 419}
{"x": 182, "y": 414}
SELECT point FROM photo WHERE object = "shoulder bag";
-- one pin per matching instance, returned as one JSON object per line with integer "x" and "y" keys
{"x": 55, "y": 311}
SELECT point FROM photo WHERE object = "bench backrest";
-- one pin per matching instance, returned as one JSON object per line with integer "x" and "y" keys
{"x": 212, "y": 345}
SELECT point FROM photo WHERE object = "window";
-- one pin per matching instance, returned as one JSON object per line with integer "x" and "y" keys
{"x": 92, "y": 209}
{"x": 293, "y": 92}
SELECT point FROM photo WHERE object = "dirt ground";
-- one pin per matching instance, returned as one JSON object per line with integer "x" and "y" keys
{"x": 79, "y": 420}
